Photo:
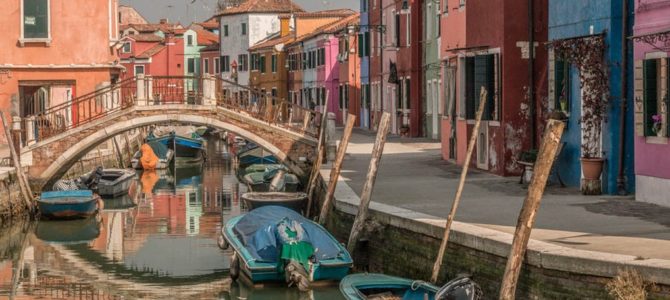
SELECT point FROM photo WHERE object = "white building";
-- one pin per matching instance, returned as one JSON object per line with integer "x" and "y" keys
{"x": 244, "y": 25}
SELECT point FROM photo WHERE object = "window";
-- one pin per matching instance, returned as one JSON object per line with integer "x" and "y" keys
{"x": 35, "y": 22}
{"x": 656, "y": 76}
{"x": 408, "y": 95}
{"x": 225, "y": 63}
{"x": 243, "y": 62}
{"x": 274, "y": 95}
{"x": 189, "y": 40}
{"x": 139, "y": 70}
{"x": 364, "y": 6}
{"x": 225, "y": 30}
{"x": 446, "y": 7}
{"x": 322, "y": 56}
{"x": 217, "y": 65}
{"x": 205, "y": 65}
{"x": 254, "y": 62}
{"x": 274, "y": 63}
{"x": 244, "y": 28}
{"x": 126, "y": 47}
{"x": 344, "y": 96}
{"x": 461, "y": 3}
{"x": 405, "y": 4}
{"x": 481, "y": 71}
{"x": 364, "y": 44}
{"x": 397, "y": 30}
{"x": 562, "y": 85}
{"x": 408, "y": 29}
{"x": 262, "y": 63}
{"x": 190, "y": 65}
{"x": 304, "y": 60}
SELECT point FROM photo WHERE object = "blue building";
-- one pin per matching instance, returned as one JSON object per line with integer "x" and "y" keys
{"x": 579, "y": 20}
{"x": 365, "y": 69}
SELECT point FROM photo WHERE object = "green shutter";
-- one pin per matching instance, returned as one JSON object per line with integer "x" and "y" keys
{"x": 408, "y": 94}
{"x": 367, "y": 44}
{"x": 361, "y": 43}
{"x": 650, "y": 94}
{"x": 35, "y": 19}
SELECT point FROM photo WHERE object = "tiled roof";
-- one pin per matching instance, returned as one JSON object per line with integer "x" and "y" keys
{"x": 330, "y": 27}
{"x": 321, "y": 14}
{"x": 210, "y": 48}
{"x": 262, "y": 6}
{"x": 152, "y": 51}
{"x": 206, "y": 38}
{"x": 148, "y": 28}
{"x": 272, "y": 42}
{"x": 145, "y": 37}
{"x": 210, "y": 24}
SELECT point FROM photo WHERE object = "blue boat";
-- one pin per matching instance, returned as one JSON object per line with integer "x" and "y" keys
{"x": 380, "y": 286}
{"x": 274, "y": 243}
{"x": 68, "y": 204}
{"x": 187, "y": 150}
{"x": 255, "y": 155}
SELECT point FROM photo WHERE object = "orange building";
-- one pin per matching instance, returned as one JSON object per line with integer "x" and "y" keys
{"x": 53, "y": 50}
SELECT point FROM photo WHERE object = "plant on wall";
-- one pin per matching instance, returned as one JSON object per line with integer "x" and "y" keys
{"x": 588, "y": 55}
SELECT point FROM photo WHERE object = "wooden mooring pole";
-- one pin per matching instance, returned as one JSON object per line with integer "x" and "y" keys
{"x": 320, "y": 152}
{"x": 545, "y": 159}
{"x": 366, "y": 194}
{"x": 337, "y": 167}
{"x": 119, "y": 155}
{"x": 461, "y": 184}
{"x": 24, "y": 185}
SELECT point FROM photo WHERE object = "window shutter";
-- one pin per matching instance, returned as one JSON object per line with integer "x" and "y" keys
{"x": 408, "y": 95}
{"x": 361, "y": 43}
{"x": 367, "y": 44}
{"x": 639, "y": 97}
{"x": 553, "y": 101}
{"x": 470, "y": 104}
{"x": 650, "y": 94}
{"x": 35, "y": 19}
{"x": 664, "y": 95}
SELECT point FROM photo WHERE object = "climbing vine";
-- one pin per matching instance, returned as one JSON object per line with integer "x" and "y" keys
{"x": 588, "y": 55}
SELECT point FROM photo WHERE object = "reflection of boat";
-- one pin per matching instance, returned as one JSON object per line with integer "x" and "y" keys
{"x": 273, "y": 243}
{"x": 253, "y": 154}
{"x": 68, "y": 232}
{"x": 114, "y": 182}
{"x": 379, "y": 286}
{"x": 120, "y": 203}
{"x": 68, "y": 204}
{"x": 294, "y": 201}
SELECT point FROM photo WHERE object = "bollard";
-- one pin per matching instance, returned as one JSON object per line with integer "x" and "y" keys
{"x": 331, "y": 140}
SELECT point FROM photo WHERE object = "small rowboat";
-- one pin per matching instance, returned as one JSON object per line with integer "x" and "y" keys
{"x": 274, "y": 243}
{"x": 114, "y": 182}
{"x": 294, "y": 201}
{"x": 260, "y": 181}
{"x": 380, "y": 286}
{"x": 75, "y": 204}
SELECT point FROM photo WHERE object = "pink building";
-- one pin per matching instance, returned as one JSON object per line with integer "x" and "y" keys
{"x": 652, "y": 84}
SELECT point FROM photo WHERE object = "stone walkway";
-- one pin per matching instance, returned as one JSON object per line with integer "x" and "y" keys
{"x": 412, "y": 175}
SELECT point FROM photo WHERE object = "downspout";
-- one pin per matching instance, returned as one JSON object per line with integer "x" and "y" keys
{"x": 621, "y": 180}
{"x": 531, "y": 73}
{"x": 382, "y": 48}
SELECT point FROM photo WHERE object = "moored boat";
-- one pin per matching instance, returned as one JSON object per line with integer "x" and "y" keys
{"x": 379, "y": 286}
{"x": 261, "y": 181}
{"x": 274, "y": 243}
{"x": 187, "y": 148}
{"x": 254, "y": 155}
{"x": 113, "y": 182}
{"x": 294, "y": 201}
{"x": 68, "y": 204}
{"x": 163, "y": 154}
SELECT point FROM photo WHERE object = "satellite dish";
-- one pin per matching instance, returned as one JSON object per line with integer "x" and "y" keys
{"x": 279, "y": 47}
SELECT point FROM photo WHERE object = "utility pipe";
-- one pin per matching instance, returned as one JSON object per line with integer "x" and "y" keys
{"x": 531, "y": 73}
{"x": 621, "y": 180}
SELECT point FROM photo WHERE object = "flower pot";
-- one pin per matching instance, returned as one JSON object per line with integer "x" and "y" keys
{"x": 592, "y": 168}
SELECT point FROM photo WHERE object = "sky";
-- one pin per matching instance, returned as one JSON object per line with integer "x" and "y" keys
{"x": 187, "y": 11}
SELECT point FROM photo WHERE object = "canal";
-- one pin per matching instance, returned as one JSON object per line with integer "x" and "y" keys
{"x": 158, "y": 242}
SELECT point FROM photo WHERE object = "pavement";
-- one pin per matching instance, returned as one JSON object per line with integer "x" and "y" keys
{"x": 412, "y": 175}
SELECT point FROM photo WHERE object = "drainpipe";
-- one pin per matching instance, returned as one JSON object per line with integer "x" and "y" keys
{"x": 531, "y": 73}
{"x": 382, "y": 48}
{"x": 621, "y": 180}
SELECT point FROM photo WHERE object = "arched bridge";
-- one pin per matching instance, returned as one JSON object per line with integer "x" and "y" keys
{"x": 56, "y": 138}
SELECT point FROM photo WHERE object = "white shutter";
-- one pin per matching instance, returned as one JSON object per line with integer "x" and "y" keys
{"x": 639, "y": 98}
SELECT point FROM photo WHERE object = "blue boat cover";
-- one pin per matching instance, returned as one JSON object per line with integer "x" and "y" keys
{"x": 257, "y": 230}
{"x": 159, "y": 149}
{"x": 69, "y": 194}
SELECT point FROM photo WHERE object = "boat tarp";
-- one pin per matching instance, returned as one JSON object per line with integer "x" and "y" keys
{"x": 159, "y": 149}
{"x": 271, "y": 172}
{"x": 258, "y": 231}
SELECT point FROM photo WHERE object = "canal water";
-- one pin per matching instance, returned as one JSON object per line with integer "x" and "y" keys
{"x": 158, "y": 242}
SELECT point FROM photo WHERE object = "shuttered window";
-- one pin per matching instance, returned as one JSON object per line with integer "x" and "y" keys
{"x": 274, "y": 63}
{"x": 470, "y": 105}
{"x": 650, "y": 94}
{"x": 481, "y": 71}
{"x": 262, "y": 63}
{"x": 35, "y": 19}
{"x": 656, "y": 80}
{"x": 408, "y": 95}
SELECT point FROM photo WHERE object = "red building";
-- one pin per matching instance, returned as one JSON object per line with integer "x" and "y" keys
{"x": 495, "y": 55}
{"x": 210, "y": 59}
{"x": 151, "y": 54}
{"x": 349, "y": 59}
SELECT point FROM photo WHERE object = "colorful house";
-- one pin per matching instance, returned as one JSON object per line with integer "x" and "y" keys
{"x": 452, "y": 41}
{"x": 150, "y": 54}
{"x": 269, "y": 72}
{"x": 364, "y": 44}
{"x": 596, "y": 24}
{"x": 651, "y": 83}
{"x": 349, "y": 60}
{"x": 210, "y": 60}
{"x": 383, "y": 53}
{"x": 432, "y": 81}
{"x": 43, "y": 62}
{"x": 494, "y": 55}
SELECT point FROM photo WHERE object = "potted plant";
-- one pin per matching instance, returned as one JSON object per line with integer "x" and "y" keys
{"x": 657, "y": 126}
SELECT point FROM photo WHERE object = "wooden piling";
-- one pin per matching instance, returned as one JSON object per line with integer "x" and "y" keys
{"x": 102, "y": 160}
{"x": 128, "y": 147}
{"x": 24, "y": 185}
{"x": 545, "y": 159}
{"x": 461, "y": 184}
{"x": 337, "y": 167}
{"x": 366, "y": 195}
{"x": 320, "y": 152}
{"x": 119, "y": 155}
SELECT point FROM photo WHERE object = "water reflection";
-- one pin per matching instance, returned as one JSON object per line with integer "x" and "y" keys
{"x": 158, "y": 242}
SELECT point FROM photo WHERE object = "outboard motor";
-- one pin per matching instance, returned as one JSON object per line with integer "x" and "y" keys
{"x": 461, "y": 288}
{"x": 91, "y": 182}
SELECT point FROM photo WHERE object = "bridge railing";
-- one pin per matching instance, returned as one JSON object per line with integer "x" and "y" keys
{"x": 163, "y": 90}
{"x": 266, "y": 106}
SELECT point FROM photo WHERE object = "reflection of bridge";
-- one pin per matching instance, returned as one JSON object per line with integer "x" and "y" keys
{"x": 60, "y": 135}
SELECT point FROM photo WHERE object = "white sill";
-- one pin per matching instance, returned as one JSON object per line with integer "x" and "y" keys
{"x": 24, "y": 41}
{"x": 660, "y": 140}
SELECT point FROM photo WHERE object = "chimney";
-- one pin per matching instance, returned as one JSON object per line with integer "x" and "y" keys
{"x": 284, "y": 26}
{"x": 163, "y": 21}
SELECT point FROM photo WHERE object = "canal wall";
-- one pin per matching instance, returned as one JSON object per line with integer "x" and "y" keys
{"x": 12, "y": 204}
{"x": 405, "y": 243}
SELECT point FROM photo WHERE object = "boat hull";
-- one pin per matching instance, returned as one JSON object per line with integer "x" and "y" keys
{"x": 68, "y": 232}
{"x": 115, "y": 182}
{"x": 359, "y": 286}
{"x": 69, "y": 205}
{"x": 294, "y": 201}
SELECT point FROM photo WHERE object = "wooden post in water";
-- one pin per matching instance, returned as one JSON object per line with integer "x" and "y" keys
{"x": 128, "y": 147}
{"x": 545, "y": 159}
{"x": 320, "y": 152}
{"x": 119, "y": 155}
{"x": 366, "y": 194}
{"x": 24, "y": 185}
{"x": 337, "y": 167}
{"x": 461, "y": 184}
{"x": 102, "y": 160}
